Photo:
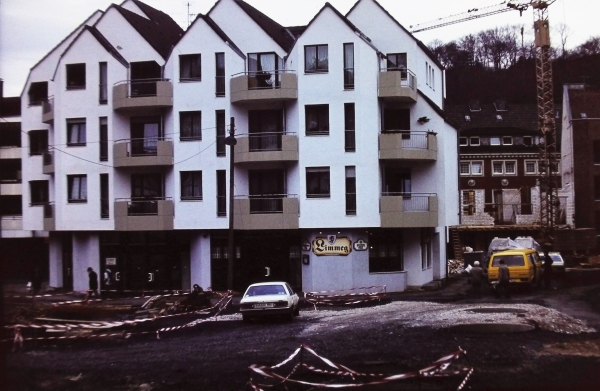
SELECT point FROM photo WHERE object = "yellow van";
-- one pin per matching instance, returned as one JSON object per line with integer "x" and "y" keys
{"x": 524, "y": 265}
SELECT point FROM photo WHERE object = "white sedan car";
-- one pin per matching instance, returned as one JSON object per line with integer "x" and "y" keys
{"x": 269, "y": 298}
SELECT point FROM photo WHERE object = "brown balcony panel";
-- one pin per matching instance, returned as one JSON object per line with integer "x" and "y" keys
{"x": 288, "y": 152}
{"x": 241, "y": 93}
{"x": 163, "y": 157}
{"x": 11, "y": 189}
{"x": 11, "y": 223}
{"x": 48, "y": 112}
{"x": 245, "y": 220}
{"x": 48, "y": 169}
{"x": 161, "y": 221}
{"x": 392, "y": 87}
{"x": 393, "y": 214}
{"x": 163, "y": 98}
{"x": 392, "y": 146}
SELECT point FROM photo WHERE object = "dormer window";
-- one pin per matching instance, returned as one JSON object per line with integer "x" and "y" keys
{"x": 475, "y": 141}
{"x": 464, "y": 141}
{"x": 501, "y": 105}
{"x": 507, "y": 140}
{"x": 474, "y": 106}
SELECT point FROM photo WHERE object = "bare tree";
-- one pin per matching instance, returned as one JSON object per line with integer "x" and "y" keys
{"x": 563, "y": 32}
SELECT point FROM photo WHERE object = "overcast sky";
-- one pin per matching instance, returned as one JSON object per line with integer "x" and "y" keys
{"x": 31, "y": 28}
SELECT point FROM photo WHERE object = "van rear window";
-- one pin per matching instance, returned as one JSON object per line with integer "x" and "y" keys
{"x": 509, "y": 260}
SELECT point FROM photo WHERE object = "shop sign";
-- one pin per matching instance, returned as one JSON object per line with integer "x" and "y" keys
{"x": 360, "y": 245}
{"x": 111, "y": 261}
{"x": 332, "y": 245}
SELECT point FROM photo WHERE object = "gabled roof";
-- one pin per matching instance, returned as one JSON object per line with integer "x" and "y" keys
{"x": 296, "y": 31}
{"x": 158, "y": 16}
{"x": 101, "y": 40}
{"x": 162, "y": 34}
{"x": 518, "y": 116}
{"x": 348, "y": 23}
{"x": 277, "y": 32}
{"x": 211, "y": 23}
{"x": 419, "y": 43}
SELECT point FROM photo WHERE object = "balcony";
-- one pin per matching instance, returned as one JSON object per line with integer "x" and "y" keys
{"x": 142, "y": 94}
{"x": 48, "y": 111}
{"x": 266, "y": 147}
{"x": 140, "y": 152}
{"x": 48, "y": 162}
{"x": 11, "y": 223}
{"x": 144, "y": 214}
{"x": 268, "y": 211}
{"x": 408, "y": 210}
{"x": 408, "y": 146}
{"x": 398, "y": 85}
{"x": 10, "y": 152}
{"x": 10, "y": 187}
{"x": 49, "y": 219}
{"x": 260, "y": 87}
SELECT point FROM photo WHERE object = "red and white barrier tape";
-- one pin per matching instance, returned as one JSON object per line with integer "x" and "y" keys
{"x": 143, "y": 292}
{"x": 438, "y": 369}
{"x": 319, "y": 298}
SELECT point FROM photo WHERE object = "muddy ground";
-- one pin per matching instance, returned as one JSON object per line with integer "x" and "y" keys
{"x": 562, "y": 352}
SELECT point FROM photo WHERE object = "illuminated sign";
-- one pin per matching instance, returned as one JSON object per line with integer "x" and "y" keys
{"x": 332, "y": 245}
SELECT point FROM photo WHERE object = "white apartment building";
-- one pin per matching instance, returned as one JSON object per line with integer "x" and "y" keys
{"x": 344, "y": 169}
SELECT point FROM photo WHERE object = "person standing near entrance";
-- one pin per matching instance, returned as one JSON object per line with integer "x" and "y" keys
{"x": 93, "y": 282}
{"x": 503, "y": 279}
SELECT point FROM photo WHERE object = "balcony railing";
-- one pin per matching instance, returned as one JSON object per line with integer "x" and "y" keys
{"x": 408, "y": 210}
{"x": 266, "y": 147}
{"x": 412, "y": 202}
{"x": 142, "y": 93}
{"x": 407, "y": 145}
{"x": 264, "y": 86}
{"x": 48, "y": 158}
{"x": 143, "y": 214}
{"x": 266, "y": 203}
{"x": 148, "y": 151}
{"x": 143, "y": 206}
{"x": 48, "y": 110}
{"x": 268, "y": 141}
{"x": 398, "y": 84}
{"x": 266, "y": 211}
{"x": 411, "y": 140}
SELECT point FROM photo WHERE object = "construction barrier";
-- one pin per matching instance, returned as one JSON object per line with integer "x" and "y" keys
{"x": 439, "y": 369}
{"x": 349, "y": 297}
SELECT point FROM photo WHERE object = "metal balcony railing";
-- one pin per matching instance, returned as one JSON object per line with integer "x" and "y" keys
{"x": 147, "y": 146}
{"x": 141, "y": 87}
{"x": 48, "y": 158}
{"x": 258, "y": 80}
{"x": 143, "y": 206}
{"x": 266, "y": 203}
{"x": 407, "y": 77}
{"x": 412, "y": 202}
{"x": 267, "y": 141}
{"x": 412, "y": 139}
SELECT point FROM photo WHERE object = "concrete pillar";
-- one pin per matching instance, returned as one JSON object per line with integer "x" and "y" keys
{"x": 200, "y": 270}
{"x": 86, "y": 253}
{"x": 56, "y": 264}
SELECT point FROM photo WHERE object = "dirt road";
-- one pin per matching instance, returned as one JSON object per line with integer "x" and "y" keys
{"x": 562, "y": 352}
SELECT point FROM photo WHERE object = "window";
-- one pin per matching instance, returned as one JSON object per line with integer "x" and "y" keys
{"x": 221, "y": 193}
{"x": 190, "y": 67}
{"x": 76, "y": 135}
{"x": 494, "y": 140}
{"x": 75, "y": 76}
{"x": 103, "y": 85}
{"x": 38, "y": 192}
{"x": 464, "y": 141}
{"x": 220, "y": 74}
{"x": 475, "y": 141}
{"x": 316, "y": 59}
{"x": 504, "y": 167}
{"x": 596, "y": 151}
{"x": 103, "y": 139}
{"x": 397, "y": 62}
{"x": 348, "y": 66}
{"x": 191, "y": 185}
{"x": 263, "y": 70}
{"x": 145, "y": 133}
{"x": 385, "y": 255}
{"x": 531, "y": 167}
{"x": 38, "y": 142}
{"x": 527, "y": 141}
{"x": 474, "y": 168}
{"x": 468, "y": 202}
{"x": 507, "y": 140}
{"x": 104, "y": 198}
{"x": 349, "y": 126}
{"x": 317, "y": 182}
{"x": 220, "y": 121}
{"x": 147, "y": 186}
{"x": 425, "y": 248}
{"x": 350, "y": 191}
{"x": 395, "y": 120}
{"x": 77, "y": 188}
{"x": 38, "y": 93}
{"x": 190, "y": 125}
{"x": 265, "y": 128}
{"x": 317, "y": 120}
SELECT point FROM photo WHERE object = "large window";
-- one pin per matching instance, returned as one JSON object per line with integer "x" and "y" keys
{"x": 220, "y": 121}
{"x": 190, "y": 67}
{"x": 263, "y": 70}
{"x": 38, "y": 192}
{"x": 396, "y": 119}
{"x": 191, "y": 185}
{"x": 385, "y": 253}
{"x": 221, "y": 193}
{"x": 220, "y": 74}
{"x": 316, "y": 59}
{"x": 265, "y": 128}
{"x": 104, "y": 197}
{"x": 38, "y": 142}
{"x": 348, "y": 66}
{"x": 190, "y": 125}
{"x": 145, "y": 133}
{"x": 397, "y": 62}
{"x": 350, "y": 190}
{"x": 317, "y": 120}
{"x": 317, "y": 182}
{"x": 103, "y": 139}
{"x": 103, "y": 85}
{"x": 38, "y": 93}
{"x": 350, "y": 128}
{"x": 147, "y": 186}
{"x": 75, "y": 76}
{"x": 474, "y": 168}
{"x": 76, "y": 132}
{"x": 77, "y": 188}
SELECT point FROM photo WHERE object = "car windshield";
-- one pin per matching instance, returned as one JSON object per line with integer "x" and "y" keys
{"x": 262, "y": 290}
{"x": 509, "y": 260}
{"x": 556, "y": 258}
